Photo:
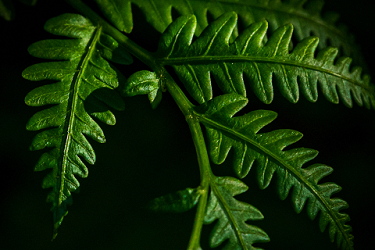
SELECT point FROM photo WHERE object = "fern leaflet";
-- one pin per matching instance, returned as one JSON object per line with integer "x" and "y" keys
{"x": 247, "y": 60}
{"x": 85, "y": 85}
{"x": 225, "y": 132}
{"x": 232, "y": 216}
{"x": 304, "y": 15}
{"x": 144, "y": 82}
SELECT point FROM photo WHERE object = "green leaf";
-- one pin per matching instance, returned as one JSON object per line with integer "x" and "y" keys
{"x": 144, "y": 83}
{"x": 304, "y": 15}
{"x": 232, "y": 216}
{"x": 85, "y": 86}
{"x": 6, "y": 10}
{"x": 247, "y": 61}
{"x": 178, "y": 202}
{"x": 112, "y": 51}
{"x": 266, "y": 150}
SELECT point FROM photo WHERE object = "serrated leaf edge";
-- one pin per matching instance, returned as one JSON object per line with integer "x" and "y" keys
{"x": 207, "y": 121}
{"x": 343, "y": 62}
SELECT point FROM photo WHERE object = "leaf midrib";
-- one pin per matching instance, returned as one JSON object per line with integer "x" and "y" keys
{"x": 69, "y": 123}
{"x": 227, "y": 210}
{"x": 258, "y": 59}
{"x": 297, "y": 13}
{"x": 279, "y": 161}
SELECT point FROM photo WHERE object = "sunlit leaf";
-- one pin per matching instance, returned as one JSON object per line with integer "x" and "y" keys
{"x": 248, "y": 65}
{"x": 266, "y": 151}
{"x": 84, "y": 89}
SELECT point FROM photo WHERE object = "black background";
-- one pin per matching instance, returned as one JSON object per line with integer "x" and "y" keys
{"x": 150, "y": 153}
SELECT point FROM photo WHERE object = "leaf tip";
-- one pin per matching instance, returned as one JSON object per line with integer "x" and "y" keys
{"x": 315, "y": 40}
{"x": 191, "y": 18}
{"x": 29, "y": 126}
{"x": 127, "y": 28}
{"x": 26, "y": 74}
{"x": 289, "y": 27}
{"x": 232, "y": 14}
{"x": 57, "y": 225}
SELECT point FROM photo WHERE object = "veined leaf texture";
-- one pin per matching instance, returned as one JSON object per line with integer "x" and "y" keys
{"x": 144, "y": 82}
{"x": 305, "y": 15}
{"x": 84, "y": 89}
{"x": 253, "y": 60}
{"x": 225, "y": 132}
{"x": 232, "y": 216}
{"x": 247, "y": 63}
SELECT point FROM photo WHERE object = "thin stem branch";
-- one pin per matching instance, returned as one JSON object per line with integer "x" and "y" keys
{"x": 203, "y": 160}
{"x": 141, "y": 53}
{"x": 205, "y": 173}
{"x": 181, "y": 100}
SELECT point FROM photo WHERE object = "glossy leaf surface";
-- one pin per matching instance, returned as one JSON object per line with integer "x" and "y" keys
{"x": 84, "y": 88}
{"x": 247, "y": 63}
{"x": 232, "y": 216}
{"x": 305, "y": 16}
{"x": 225, "y": 132}
{"x": 144, "y": 83}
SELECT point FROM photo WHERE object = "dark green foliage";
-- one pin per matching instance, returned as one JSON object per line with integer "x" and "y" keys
{"x": 240, "y": 57}
{"x": 232, "y": 215}
{"x": 247, "y": 61}
{"x": 144, "y": 83}
{"x": 225, "y": 132}
{"x": 85, "y": 83}
{"x": 7, "y": 9}
{"x": 178, "y": 202}
{"x": 303, "y": 14}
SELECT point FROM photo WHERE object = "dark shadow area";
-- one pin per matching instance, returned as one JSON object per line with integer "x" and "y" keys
{"x": 143, "y": 31}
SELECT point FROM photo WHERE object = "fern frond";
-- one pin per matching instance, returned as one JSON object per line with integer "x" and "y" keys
{"x": 305, "y": 17}
{"x": 232, "y": 216}
{"x": 225, "y": 132}
{"x": 85, "y": 86}
{"x": 247, "y": 60}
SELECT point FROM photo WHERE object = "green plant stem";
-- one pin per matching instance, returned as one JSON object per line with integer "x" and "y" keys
{"x": 142, "y": 54}
{"x": 186, "y": 108}
{"x": 205, "y": 173}
{"x": 183, "y": 103}
{"x": 200, "y": 146}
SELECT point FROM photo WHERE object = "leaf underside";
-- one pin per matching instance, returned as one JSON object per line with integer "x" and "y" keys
{"x": 232, "y": 216}
{"x": 225, "y": 132}
{"x": 247, "y": 62}
{"x": 84, "y": 88}
{"x": 306, "y": 17}
{"x": 177, "y": 202}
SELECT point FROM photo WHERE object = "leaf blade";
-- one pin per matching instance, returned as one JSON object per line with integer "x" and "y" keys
{"x": 82, "y": 74}
{"x": 232, "y": 216}
{"x": 266, "y": 151}
{"x": 306, "y": 18}
{"x": 247, "y": 62}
